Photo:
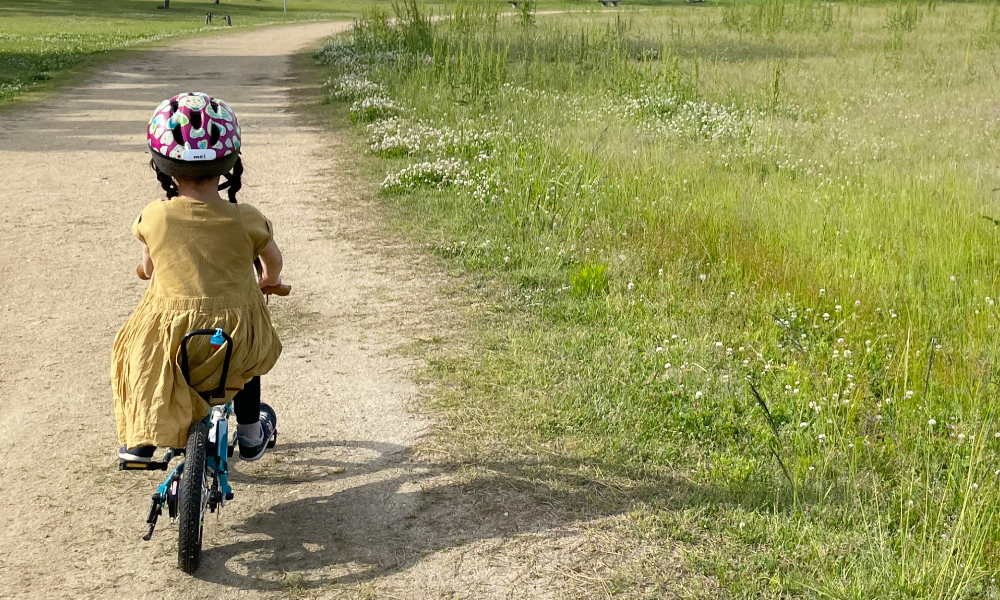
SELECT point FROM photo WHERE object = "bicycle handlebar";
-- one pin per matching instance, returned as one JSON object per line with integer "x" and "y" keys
{"x": 282, "y": 289}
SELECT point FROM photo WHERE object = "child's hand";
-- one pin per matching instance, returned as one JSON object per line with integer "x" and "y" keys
{"x": 269, "y": 266}
{"x": 264, "y": 281}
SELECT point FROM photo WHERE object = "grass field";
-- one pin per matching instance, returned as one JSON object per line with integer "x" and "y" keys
{"x": 740, "y": 269}
{"x": 45, "y": 39}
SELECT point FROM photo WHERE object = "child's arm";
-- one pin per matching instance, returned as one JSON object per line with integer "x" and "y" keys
{"x": 271, "y": 263}
{"x": 147, "y": 262}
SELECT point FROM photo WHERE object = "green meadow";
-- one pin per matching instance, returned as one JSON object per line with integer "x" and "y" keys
{"x": 736, "y": 270}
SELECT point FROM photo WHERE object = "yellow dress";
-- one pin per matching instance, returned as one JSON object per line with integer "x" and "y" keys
{"x": 203, "y": 278}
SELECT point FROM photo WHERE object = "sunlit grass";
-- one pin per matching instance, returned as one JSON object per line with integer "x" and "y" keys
{"x": 744, "y": 246}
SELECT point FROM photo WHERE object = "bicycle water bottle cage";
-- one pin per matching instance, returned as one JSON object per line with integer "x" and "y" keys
{"x": 218, "y": 339}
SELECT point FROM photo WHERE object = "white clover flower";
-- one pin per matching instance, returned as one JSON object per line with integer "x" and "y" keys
{"x": 803, "y": 425}
{"x": 351, "y": 87}
{"x": 440, "y": 173}
{"x": 373, "y": 108}
{"x": 826, "y": 316}
{"x": 931, "y": 422}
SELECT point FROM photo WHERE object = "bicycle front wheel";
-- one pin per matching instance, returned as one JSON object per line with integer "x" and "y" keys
{"x": 192, "y": 499}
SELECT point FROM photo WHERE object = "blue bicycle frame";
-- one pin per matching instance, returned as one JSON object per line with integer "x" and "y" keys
{"x": 219, "y": 449}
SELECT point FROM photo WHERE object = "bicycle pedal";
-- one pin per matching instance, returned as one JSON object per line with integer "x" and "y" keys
{"x": 132, "y": 465}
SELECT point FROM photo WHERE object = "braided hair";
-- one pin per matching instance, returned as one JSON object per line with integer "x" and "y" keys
{"x": 234, "y": 180}
{"x": 233, "y": 183}
{"x": 166, "y": 181}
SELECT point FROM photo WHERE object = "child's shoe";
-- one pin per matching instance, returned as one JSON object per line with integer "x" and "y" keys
{"x": 252, "y": 448}
{"x": 137, "y": 453}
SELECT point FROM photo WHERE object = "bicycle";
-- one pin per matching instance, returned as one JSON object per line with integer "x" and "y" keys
{"x": 201, "y": 481}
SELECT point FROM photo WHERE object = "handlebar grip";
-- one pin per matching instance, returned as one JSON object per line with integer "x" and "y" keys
{"x": 282, "y": 289}
{"x": 141, "y": 272}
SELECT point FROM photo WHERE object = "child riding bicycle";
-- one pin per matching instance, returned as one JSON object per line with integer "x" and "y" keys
{"x": 199, "y": 251}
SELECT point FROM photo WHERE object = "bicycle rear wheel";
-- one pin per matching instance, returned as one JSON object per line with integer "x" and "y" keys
{"x": 192, "y": 499}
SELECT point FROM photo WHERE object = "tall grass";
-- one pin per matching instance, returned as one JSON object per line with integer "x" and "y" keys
{"x": 741, "y": 246}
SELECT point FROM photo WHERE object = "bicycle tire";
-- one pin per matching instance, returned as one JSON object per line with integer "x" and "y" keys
{"x": 191, "y": 499}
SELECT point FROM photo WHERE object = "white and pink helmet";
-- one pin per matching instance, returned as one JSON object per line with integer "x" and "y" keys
{"x": 194, "y": 135}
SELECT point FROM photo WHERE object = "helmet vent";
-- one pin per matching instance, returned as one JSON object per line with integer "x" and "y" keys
{"x": 173, "y": 106}
{"x": 196, "y": 119}
{"x": 215, "y": 105}
{"x": 178, "y": 134}
{"x": 215, "y": 132}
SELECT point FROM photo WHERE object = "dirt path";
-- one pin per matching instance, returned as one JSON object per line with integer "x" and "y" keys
{"x": 73, "y": 175}
{"x": 341, "y": 508}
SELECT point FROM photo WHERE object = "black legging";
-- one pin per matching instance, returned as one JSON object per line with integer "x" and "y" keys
{"x": 246, "y": 403}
